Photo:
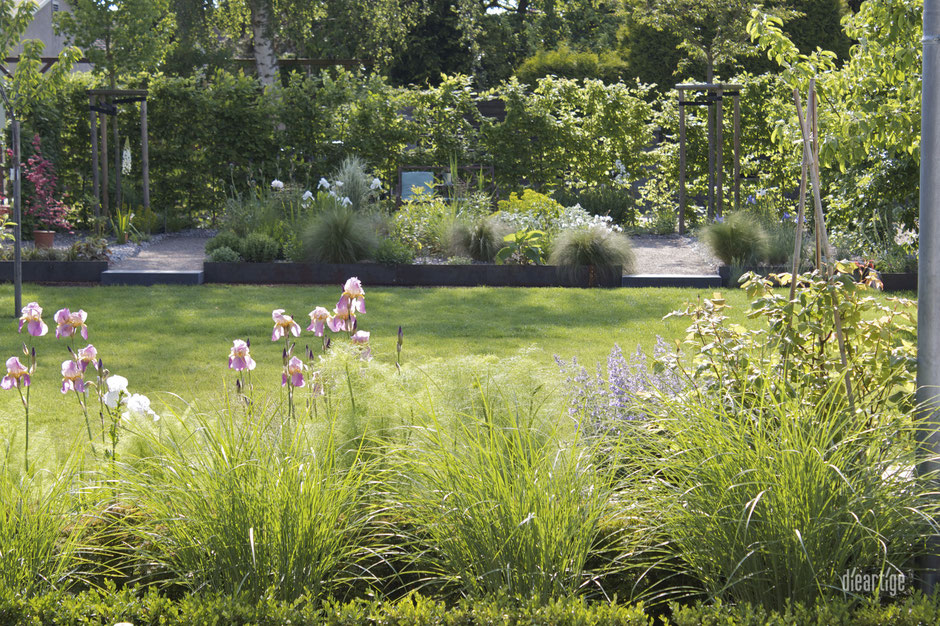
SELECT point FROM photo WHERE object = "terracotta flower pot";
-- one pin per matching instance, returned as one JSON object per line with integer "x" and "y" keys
{"x": 43, "y": 238}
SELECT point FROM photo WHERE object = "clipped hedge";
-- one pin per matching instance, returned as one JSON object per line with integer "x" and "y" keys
{"x": 211, "y": 137}
{"x": 139, "y": 608}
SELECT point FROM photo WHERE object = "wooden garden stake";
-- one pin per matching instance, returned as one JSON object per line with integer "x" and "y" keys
{"x": 809, "y": 129}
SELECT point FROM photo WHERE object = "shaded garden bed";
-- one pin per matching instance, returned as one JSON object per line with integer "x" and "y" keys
{"x": 410, "y": 275}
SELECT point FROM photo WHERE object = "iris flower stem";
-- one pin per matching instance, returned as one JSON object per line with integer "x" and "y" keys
{"x": 25, "y": 401}
{"x": 84, "y": 406}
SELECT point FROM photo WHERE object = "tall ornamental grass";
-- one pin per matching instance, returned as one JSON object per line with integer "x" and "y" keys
{"x": 776, "y": 503}
{"x": 503, "y": 507}
{"x": 252, "y": 506}
{"x": 37, "y": 554}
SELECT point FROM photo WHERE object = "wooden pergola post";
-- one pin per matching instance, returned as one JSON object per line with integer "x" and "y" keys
{"x": 102, "y": 103}
{"x": 714, "y": 97}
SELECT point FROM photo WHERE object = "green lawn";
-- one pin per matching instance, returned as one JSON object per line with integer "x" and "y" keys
{"x": 175, "y": 340}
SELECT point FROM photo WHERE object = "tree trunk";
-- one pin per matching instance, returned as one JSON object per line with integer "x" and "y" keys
{"x": 262, "y": 41}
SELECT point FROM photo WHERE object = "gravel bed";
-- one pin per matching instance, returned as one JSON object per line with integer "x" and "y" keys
{"x": 120, "y": 252}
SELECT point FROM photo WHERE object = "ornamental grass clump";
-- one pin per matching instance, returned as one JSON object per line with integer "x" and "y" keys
{"x": 739, "y": 239}
{"x": 776, "y": 503}
{"x": 246, "y": 507}
{"x": 38, "y": 554}
{"x": 339, "y": 235}
{"x": 595, "y": 247}
{"x": 503, "y": 506}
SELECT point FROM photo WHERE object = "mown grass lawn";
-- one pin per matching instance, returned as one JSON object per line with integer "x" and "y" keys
{"x": 175, "y": 340}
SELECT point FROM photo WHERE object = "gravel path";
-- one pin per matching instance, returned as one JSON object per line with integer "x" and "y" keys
{"x": 672, "y": 254}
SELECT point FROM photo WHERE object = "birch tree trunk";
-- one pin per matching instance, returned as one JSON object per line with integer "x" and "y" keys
{"x": 262, "y": 41}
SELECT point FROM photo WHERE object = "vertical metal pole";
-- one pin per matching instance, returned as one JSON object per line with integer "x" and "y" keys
{"x": 711, "y": 155}
{"x": 18, "y": 218}
{"x": 928, "y": 275}
{"x": 105, "y": 191}
{"x": 737, "y": 150}
{"x": 95, "y": 181}
{"x": 719, "y": 152}
{"x": 145, "y": 154}
{"x": 682, "y": 199}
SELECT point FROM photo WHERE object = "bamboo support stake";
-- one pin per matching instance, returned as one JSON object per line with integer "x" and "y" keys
{"x": 811, "y": 146}
{"x": 798, "y": 244}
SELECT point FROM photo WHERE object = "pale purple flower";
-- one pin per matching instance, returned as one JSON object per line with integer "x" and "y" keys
{"x": 376, "y": 184}
{"x": 283, "y": 324}
{"x": 67, "y": 323}
{"x": 86, "y": 355}
{"x": 294, "y": 373}
{"x": 72, "y": 377}
{"x": 277, "y": 185}
{"x": 340, "y": 321}
{"x": 318, "y": 317}
{"x": 323, "y": 184}
{"x": 32, "y": 317}
{"x": 17, "y": 374}
{"x": 354, "y": 295}
{"x": 360, "y": 339}
{"x": 239, "y": 359}
{"x": 345, "y": 201}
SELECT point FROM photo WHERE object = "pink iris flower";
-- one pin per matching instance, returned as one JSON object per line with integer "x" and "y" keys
{"x": 294, "y": 373}
{"x": 239, "y": 359}
{"x": 360, "y": 338}
{"x": 86, "y": 355}
{"x": 283, "y": 324}
{"x": 318, "y": 317}
{"x": 17, "y": 375}
{"x": 32, "y": 317}
{"x": 340, "y": 320}
{"x": 354, "y": 296}
{"x": 67, "y": 323}
{"x": 72, "y": 377}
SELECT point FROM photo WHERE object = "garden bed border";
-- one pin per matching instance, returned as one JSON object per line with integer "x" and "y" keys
{"x": 56, "y": 271}
{"x": 407, "y": 275}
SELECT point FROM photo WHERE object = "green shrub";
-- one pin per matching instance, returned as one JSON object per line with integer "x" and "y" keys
{"x": 566, "y": 63}
{"x": 225, "y": 239}
{"x": 739, "y": 239}
{"x": 616, "y": 201}
{"x": 338, "y": 236}
{"x": 595, "y": 247}
{"x": 393, "y": 252}
{"x": 260, "y": 248}
{"x": 423, "y": 222}
{"x": 224, "y": 254}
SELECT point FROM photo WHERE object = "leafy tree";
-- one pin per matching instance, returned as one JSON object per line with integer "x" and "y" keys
{"x": 869, "y": 111}
{"x": 24, "y": 88}
{"x": 373, "y": 29}
{"x": 119, "y": 37}
{"x": 710, "y": 31}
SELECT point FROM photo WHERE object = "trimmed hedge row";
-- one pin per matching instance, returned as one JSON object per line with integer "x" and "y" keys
{"x": 212, "y": 136}
{"x": 111, "y": 606}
